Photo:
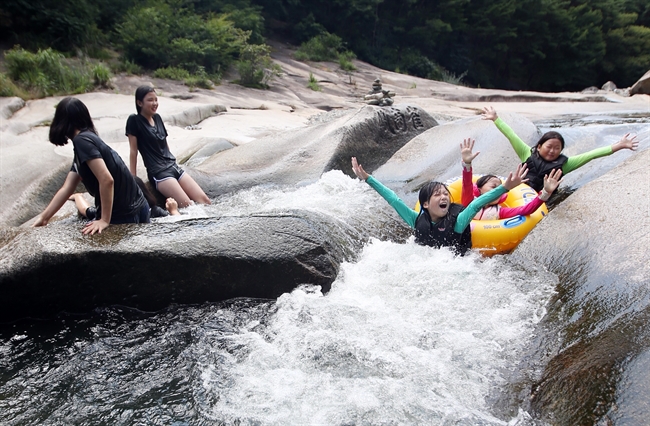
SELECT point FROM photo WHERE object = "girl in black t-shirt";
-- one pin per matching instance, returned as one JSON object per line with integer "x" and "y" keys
{"x": 147, "y": 135}
{"x": 117, "y": 196}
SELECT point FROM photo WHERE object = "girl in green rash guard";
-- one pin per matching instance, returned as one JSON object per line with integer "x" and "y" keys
{"x": 547, "y": 156}
{"x": 440, "y": 222}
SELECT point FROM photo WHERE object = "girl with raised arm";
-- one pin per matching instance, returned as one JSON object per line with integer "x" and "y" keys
{"x": 546, "y": 155}
{"x": 440, "y": 222}
{"x": 486, "y": 183}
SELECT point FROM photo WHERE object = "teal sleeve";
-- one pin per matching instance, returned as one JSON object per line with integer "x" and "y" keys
{"x": 405, "y": 212}
{"x": 466, "y": 216}
{"x": 522, "y": 150}
{"x": 582, "y": 159}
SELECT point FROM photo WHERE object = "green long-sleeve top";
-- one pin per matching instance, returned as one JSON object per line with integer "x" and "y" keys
{"x": 409, "y": 215}
{"x": 524, "y": 151}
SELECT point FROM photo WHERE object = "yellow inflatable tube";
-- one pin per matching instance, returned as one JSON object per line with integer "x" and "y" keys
{"x": 500, "y": 236}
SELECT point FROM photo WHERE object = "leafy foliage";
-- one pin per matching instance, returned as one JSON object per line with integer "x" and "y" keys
{"x": 256, "y": 69}
{"x": 522, "y": 44}
{"x": 45, "y": 73}
{"x": 160, "y": 36}
{"x": 8, "y": 88}
{"x": 323, "y": 47}
{"x": 313, "y": 83}
{"x": 172, "y": 73}
{"x": 101, "y": 75}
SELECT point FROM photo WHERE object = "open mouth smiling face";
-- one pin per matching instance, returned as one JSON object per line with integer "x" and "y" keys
{"x": 438, "y": 204}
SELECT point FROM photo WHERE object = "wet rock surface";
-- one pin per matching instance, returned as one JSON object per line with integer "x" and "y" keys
{"x": 47, "y": 270}
{"x": 599, "y": 247}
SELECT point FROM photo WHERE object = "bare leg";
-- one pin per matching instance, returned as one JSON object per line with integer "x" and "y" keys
{"x": 171, "y": 188}
{"x": 193, "y": 190}
{"x": 80, "y": 202}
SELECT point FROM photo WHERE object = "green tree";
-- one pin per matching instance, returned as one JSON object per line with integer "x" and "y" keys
{"x": 255, "y": 66}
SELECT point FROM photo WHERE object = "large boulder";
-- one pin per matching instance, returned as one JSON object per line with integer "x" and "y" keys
{"x": 642, "y": 86}
{"x": 598, "y": 242}
{"x": 301, "y": 156}
{"x": 52, "y": 269}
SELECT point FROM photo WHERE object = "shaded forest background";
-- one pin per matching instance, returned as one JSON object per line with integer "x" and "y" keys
{"x": 545, "y": 45}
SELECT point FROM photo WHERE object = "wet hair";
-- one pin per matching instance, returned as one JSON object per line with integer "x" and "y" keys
{"x": 71, "y": 115}
{"x": 151, "y": 199}
{"x": 485, "y": 179}
{"x": 550, "y": 135}
{"x": 140, "y": 93}
{"x": 427, "y": 190}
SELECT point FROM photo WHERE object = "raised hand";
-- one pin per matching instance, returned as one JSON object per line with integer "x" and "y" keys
{"x": 358, "y": 170}
{"x": 516, "y": 178}
{"x": 552, "y": 181}
{"x": 466, "y": 151}
{"x": 628, "y": 141}
{"x": 489, "y": 113}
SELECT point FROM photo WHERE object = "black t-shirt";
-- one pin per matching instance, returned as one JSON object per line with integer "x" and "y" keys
{"x": 127, "y": 196}
{"x": 152, "y": 142}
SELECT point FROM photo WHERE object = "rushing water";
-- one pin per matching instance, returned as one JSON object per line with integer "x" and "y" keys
{"x": 407, "y": 335}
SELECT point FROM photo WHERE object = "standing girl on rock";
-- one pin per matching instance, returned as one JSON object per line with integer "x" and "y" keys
{"x": 117, "y": 196}
{"x": 147, "y": 134}
{"x": 440, "y": 222}
{"x": 547, "y": 156}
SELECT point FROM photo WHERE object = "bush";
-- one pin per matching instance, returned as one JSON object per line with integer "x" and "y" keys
{"x": 101, "y": 75}
{"x": 46, "y": 73}
{"x": 256, "y": 69}
{"x": 129, "y": 67}
{"x": 157, "y": 37}
{"x": 345, "y": 61}
{"x": 172, "y": 73}
{"x": 451, "y": 78}
{"x": 8, "y": 88}
{"x": 323, "y": 47}
{"x": 200, "y": 79}
{"x": 313, "y": 83}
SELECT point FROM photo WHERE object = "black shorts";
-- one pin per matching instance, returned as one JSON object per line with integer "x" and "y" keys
{"x": 171, "y": 172}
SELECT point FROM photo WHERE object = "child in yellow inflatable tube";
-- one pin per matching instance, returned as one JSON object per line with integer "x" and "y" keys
{"x": 486, "y": 183}
{"x": 440, "y": 222}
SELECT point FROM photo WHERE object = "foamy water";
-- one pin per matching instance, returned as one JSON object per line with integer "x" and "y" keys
{"x": 407, "y": 335}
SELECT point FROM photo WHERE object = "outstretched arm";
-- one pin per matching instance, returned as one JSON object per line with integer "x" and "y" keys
{"x": 628, "y": 141}
{"x": 521, "y": 149}
{"x": 467, "y": 191}
{"x": 405, "y": 212}
{"x": 59, "y": 199}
